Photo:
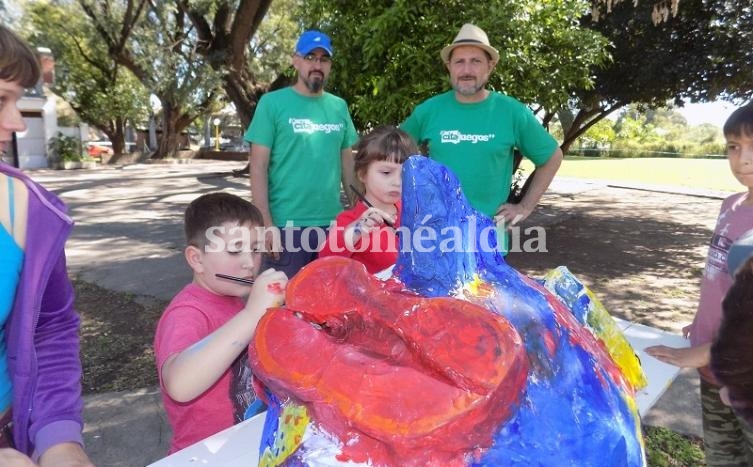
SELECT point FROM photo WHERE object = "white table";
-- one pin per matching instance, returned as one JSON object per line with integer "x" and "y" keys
{"x": 238, "y": 446}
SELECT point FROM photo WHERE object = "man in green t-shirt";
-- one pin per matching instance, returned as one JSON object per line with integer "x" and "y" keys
{"x": 473, "y": 131}
{"x": 301, "y": 139}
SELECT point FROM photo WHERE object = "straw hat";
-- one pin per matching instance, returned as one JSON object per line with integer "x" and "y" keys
{"x": 470, "y": 35}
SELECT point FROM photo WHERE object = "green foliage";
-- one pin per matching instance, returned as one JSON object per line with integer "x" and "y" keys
{"x": 274, "y": 41}
{"x": 702, "y": 54}
{"x": 636, "y": 130}
{"x": 163, "y": 48}
{"x": 250, "y": 55}
{"x": 639, "y": 132}
{"x": 387, "y": 53}
{"x": 665, "y": 448}
{"x": 65, "y": 148}
{"x": 599, "y": 135}
{"x": 156, "y": 42}
{"x": 103, "y": 94}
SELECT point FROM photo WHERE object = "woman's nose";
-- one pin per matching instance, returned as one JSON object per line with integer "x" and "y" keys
{"x": 11, "y": 119}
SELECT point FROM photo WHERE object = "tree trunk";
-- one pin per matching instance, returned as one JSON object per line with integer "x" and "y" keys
{"x": 224, "y": 43}
{"x": 575, "y": 126}
{"x": 243, "y": 93}
{"x": 116, "y": 134}
{"x": 169, "y": 140}
{"x": 175, "y": 119}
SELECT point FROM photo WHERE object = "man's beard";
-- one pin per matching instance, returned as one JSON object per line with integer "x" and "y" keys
{"x": 314, "y": 84}
{"x": 465, "y": 88}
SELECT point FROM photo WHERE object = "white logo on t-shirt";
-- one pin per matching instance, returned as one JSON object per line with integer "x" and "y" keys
{"x": 455, "y": 137}
{"x": 717, "y": 258}
{"x": 304, "y": 125}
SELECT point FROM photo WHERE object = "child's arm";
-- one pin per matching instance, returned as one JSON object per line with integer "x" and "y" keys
{"x": 370, "y": 220}
{"x": 343, "y": 239}
{"x": 187, "y": 374}
{"x": 690, "y": 357}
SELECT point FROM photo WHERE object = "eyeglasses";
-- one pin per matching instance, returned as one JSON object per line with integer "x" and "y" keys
{"x": 311, "y": 58}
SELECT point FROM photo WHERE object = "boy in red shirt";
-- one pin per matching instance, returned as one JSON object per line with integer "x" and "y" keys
{"x": 202, "y": 338}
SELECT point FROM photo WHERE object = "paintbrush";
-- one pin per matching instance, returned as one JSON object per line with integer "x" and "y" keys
{"x": 366, "y": 202}
{"x": 236, "y": 279}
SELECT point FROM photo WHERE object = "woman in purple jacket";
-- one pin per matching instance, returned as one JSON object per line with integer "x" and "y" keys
{"x": 40, "y": 369}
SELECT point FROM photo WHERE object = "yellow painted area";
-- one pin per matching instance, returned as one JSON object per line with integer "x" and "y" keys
{"x": 294, "y": 419}
{"x": 619, "y": 347}
{"x": 601, "y": 325}
{"x": 479, "y": 288}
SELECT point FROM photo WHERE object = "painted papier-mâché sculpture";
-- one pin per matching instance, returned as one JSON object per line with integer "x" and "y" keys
{"x": 457, "y": 359}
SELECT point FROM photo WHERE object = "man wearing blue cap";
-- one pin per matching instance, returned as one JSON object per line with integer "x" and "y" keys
{"x": 301, "y": 139}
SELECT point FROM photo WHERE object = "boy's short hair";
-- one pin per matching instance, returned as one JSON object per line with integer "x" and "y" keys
{"x": 213, "y": 210}
{"x": 740, "y": 122}
{"x": 384, "y": 143}
{"x": 18, "y": 62}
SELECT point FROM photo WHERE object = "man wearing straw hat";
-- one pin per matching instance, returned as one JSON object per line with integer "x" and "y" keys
{"x": 473, "y": 131}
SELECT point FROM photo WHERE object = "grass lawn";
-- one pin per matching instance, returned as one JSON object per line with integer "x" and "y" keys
{"x": 707, "y": 174}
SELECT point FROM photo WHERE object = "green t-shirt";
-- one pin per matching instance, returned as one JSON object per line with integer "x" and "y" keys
{"x": 476, "y": 142}
{"x": 306, "y": 136}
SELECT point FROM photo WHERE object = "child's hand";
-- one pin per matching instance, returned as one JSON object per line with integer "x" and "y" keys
{"x": 268, "y": 290}
{"x": 690, "y": 357}
{"x": 372, "y": 219}
{"x": 686, "y": 331}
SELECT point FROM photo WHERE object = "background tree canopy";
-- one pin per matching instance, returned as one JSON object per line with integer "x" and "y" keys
{"x": 554, "y": 57}
{"x": 103, "y": 93}
{"x": 387, "y": 53}
{"x": 703, "y": 53}
{"x": 195, "y": 55}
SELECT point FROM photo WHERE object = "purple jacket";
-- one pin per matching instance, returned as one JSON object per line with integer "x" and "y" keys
{"x": 42, "y": 331}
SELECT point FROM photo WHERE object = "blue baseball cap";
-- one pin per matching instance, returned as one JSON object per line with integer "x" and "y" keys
{"x": 311, "y": 40}
{"x": 740, "y": 251}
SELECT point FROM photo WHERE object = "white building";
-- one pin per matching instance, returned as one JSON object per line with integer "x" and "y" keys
{"x": 39, "y": 112}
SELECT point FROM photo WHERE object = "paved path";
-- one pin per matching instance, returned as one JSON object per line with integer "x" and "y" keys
{"x": 128, "y": 238}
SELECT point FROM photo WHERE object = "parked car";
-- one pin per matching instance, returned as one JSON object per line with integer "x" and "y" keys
{"x": 98, "y": 148}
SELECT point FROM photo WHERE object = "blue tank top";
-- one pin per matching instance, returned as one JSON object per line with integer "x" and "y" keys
{"x": 11, "y": 261}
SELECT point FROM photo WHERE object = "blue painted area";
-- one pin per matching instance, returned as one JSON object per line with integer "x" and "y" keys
{"x": 573, "y": 294}
{"x": 255, "y": 408}
{"x": 271, "y": 426}
{"x": 574, "y": 411}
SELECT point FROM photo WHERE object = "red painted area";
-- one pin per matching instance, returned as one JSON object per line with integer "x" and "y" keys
{"x": 275, "y": 288}
{"x": 400, "y": 379}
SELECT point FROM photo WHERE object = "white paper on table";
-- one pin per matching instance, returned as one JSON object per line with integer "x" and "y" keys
{"x": 238, "y": 446}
